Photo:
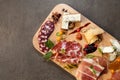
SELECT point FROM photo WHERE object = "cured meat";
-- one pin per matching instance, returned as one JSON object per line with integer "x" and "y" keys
{"x": 116, "y": 75}
{"x": 90, "y": 69}
{"x": 67, "y": 52}
{"x": 46, "y": 29}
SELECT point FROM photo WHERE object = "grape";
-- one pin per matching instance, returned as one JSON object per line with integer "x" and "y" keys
{"x": 90, "y": 48}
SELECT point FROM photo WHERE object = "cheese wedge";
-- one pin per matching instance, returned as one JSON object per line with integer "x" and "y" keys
{"x": 95, "y": 38}
{"x": 91, "y": 34}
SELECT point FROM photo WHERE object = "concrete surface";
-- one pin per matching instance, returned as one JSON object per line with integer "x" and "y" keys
{"x": 20, "y": 19}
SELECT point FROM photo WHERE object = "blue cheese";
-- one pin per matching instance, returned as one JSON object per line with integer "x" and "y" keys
{"x": 72, "y": 17}
{"x": 69, "y": 18}
{"x": 65, "y": 24}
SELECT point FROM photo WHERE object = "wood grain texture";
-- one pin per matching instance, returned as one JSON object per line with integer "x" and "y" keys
{"x": 58, "y": 8}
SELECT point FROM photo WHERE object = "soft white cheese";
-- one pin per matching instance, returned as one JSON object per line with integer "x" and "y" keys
{"x": 108, "y": 49}
{"x": 116, "y": 44}
{"x": 112, "y": 56}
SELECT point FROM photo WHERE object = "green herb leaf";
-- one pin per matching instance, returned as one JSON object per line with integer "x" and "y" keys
{"x": 93, "y": 70}
{"x": 49, "y": 44}
{"x": 48, "y": 55}
{"x": 62, "y": 51}
{"x": 100, "y": 50}
{"x": 71, "y": 66}
{"x": 114, "y": 48}
{"x": 58, "y": 34}
{"x": 89, "y": 56}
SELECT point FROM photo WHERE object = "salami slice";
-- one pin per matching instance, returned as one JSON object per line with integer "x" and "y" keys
{"x": 67, "y": 52}
{"x": 46, "y": 29}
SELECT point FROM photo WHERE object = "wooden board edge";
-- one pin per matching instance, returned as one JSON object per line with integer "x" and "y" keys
{"x": 35, "y": 39}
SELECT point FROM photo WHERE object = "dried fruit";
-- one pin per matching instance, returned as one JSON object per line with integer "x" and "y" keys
{"x": 56, "y": 16}
{"x": 79, "y": 36}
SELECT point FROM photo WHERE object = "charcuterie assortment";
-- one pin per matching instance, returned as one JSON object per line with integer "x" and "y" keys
{"x": 78, "y": 45}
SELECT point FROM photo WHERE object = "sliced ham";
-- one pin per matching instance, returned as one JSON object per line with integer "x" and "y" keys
{"x": 91, "y": 68}
{"x": 67, "y": 52}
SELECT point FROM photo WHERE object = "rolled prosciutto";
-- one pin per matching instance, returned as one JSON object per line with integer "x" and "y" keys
{"x": 91, "y": 68}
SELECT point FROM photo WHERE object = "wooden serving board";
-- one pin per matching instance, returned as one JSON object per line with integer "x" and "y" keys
{"x": 58, "y": 8}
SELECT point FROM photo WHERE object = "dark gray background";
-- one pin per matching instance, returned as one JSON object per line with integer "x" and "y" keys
{"x": 20, "y": 19}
